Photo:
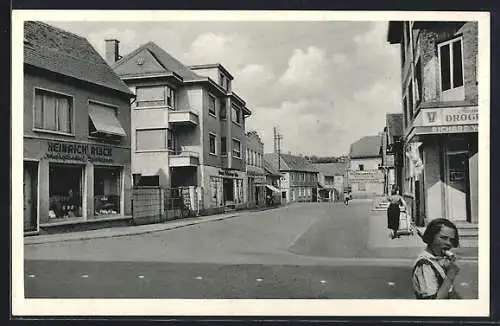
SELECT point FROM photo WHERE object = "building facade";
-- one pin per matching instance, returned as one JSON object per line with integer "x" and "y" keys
{"x": 188, "y": 127}
{"x": 331, "y": 177}
{"x": 299, "y": 181}
{"x": 77, "y": 165}
{"x": 255, "y": 170}
{"x": 439, "y": 64}
{"x": 365, "y": 176}
{"x": 392, "y": 152}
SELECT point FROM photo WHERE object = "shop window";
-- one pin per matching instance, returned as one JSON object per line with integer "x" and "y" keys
{"x": 155, "y": 96}
{"x": 450, "y": 59}
{"x": 235, "y": 114}
{"x": 211, "y": 104}
{"x": 149, "y": 181}
{"x": 223, "y": 146}
{"x": 151, "y": 139}
{"x": 65, "y": 191}
{"x": 216, "y": 191}
{"x": 53, "y": 111}
{"x": 362, "y": 186}
{"x": 107, "y": 188}
{"x": 236, "y": 148}
{"x": 212, "y": 139}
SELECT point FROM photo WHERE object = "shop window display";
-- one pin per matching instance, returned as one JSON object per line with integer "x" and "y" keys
{"x": 65, "y": 191}
{"x": 107, "y": 190}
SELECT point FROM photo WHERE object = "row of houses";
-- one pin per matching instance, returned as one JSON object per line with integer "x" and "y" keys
{"x": 97, "y": 128}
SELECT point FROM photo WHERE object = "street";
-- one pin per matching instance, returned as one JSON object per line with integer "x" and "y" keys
{"x": 304, "y": 250}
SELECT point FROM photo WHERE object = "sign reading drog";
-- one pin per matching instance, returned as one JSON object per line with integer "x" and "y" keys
{"x": 79, "y": 152}
{"x": 450, "y": 116}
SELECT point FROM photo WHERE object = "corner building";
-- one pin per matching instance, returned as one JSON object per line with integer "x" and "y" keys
{"x": 76, "y": 133}
{"x": 440, "y": 107}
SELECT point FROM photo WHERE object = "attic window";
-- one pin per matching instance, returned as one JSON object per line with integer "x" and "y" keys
{"x": 140, "y": 61}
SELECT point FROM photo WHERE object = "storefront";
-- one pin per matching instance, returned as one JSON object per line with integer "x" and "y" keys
{"x": 441, "y": 175}
{"x": 74, "y": 182}
{"x": 256, "y": 187}
{"x": 224, "y": 188}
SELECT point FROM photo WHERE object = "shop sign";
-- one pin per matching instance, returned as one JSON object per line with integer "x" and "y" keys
{"x": 260, "y": 179}
{"x": 446, "y": 129}
{"x": 374, "y": 175}
{"x": 450, "y": 116}
{"x": 228, "y": 173}
{"x": 79, "y": 152}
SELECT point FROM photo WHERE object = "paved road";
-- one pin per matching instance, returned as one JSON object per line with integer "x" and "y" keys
{"x": 300, "y": 251}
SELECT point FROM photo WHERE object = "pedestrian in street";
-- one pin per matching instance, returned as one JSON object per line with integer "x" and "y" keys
{"x": 396, "y": 202}
{"x": 347, "y": 197}
{"x": 435, "y": 270}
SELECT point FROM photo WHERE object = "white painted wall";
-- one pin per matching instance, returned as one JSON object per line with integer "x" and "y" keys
{"x": 369, "y": 163}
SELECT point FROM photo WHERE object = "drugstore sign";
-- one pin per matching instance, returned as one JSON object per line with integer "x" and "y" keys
{"x": 450, "y": 116}
{"x": 79, "y": 152}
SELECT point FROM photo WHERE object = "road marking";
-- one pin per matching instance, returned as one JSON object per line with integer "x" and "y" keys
{"x": 140, "y": 276}
{"x": 198, "y": 277}
{"x": 259, "y": 280}
{"x": 391, "y": 283}
{"x": 85, "y": 276}
{"x": 464, "y": 284}
{"x": 31, "y": 276}
{"x": 322, "y": 282}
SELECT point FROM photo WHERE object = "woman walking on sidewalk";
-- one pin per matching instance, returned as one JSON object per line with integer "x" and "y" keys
{"x": 394, "y": 210}
{"x": 435, "y": 270}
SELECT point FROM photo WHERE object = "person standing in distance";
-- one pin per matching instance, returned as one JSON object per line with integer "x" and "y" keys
{"x": 396, "y": 201}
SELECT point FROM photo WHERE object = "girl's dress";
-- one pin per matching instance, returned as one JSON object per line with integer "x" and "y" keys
{"x": 428, "y": 275}
{"x": 393, "y": 212}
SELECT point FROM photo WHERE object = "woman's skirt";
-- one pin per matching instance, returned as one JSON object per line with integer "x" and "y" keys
{"x": 393, "y": 216}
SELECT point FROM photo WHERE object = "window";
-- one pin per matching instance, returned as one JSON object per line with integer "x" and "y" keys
{"x": 155, "y": 95}
{"x": 212, "y": 139}
{"x": 170, "y": 140}
{"x": 65, "y": 191}
{"x": 362, "y": 186}
{"x": 211, "y": 104}
{"x": 150, "y": 139}
{"x": 410, "y": 100}
{"x": 53, "y": 111}
{"x": 236, "y": 114}
{"x": 107, "y": 190}
{"x": 223, "y": 146}
{"x": 103, "y": 121}
{"x": 450, "y": 59}
{"x": 222, "y": 80}
{"x": 236, "y": 148}
{"x": 223, "y": 110}
{"x": 361, "y": 167}
{"x": 418, "y": 82}
{"x": 405, "y": 112}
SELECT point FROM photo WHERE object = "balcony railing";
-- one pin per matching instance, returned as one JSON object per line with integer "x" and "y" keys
{"x": 184, "y": 117}
{"x": 180, "y": 158}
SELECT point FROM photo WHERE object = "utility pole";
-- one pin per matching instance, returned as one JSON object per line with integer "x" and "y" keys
{"x": 277, "y": 149}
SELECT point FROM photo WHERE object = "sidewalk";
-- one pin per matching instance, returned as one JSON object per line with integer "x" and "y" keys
{"x": 135, "y": 229}
{"x": 410, "y": 244}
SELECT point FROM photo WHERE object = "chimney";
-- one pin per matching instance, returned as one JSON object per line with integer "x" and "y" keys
{"x": 112, "y": 50}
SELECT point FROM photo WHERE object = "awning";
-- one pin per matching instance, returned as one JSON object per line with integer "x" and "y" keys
{"x": 104, "y": 120}
{"x": 273, "y": 188}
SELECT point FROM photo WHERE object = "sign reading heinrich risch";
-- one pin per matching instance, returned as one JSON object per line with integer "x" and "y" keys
{"x": 79, "y": 152}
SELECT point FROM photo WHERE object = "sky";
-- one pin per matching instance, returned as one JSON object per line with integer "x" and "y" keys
{"x": 323, "y": 84}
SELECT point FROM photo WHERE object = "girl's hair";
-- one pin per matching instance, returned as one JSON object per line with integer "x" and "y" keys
{"x": 395, "y": 190}
{"x": 435, "y": 226}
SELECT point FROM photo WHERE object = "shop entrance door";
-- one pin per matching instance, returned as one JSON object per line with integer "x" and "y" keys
{"x": 228, "y": 187}
{"x": 30, "y": 196}
{"x": 458, "y": 190}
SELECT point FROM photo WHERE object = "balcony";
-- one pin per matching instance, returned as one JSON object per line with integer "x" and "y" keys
{"x": 184, "y": 117}
{"x": 181, "y": 158}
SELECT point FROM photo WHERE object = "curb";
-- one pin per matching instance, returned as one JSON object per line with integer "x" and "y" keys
{"x": 124, "y": 234}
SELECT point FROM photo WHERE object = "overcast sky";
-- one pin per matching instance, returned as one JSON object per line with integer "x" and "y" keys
{"x": 323, "y": 84}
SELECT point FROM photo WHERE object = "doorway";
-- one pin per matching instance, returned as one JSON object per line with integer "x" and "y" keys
{"x": 228, "y": 189}
{"x": 458, "y": 195}
{"x": 30, "y": 196}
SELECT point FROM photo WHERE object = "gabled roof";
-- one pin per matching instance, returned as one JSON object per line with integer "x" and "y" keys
{"x": 290, "y": 162}
{"x": 268, "y": 167}
{"x": 169, "y": 63}
{"x": 65, "y": 53}
{"x": 331, "y": 168}
{"x": 368, "y": 146}
{"x": 394, "y": 123}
